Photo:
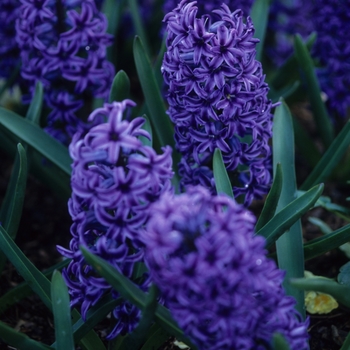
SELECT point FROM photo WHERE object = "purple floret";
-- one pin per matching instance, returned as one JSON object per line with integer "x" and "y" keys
{"x": 218, "y": 98}
{"x": 63, "y": 45}
{"x": 114, "y": 180}
{"x": 214, "y": 275}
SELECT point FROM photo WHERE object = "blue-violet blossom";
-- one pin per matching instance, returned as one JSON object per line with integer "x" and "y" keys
{"x": 114, "y": 180}
{"x": 214, "y": 275}
{"x": 218, "y": 98}
{"x": 63, "y": 45}
{"x": 331, "y": 19}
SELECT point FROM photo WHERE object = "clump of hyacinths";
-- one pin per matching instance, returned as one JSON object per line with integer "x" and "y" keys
{"x": 63, "y": 45}
{"x": 114, "y": 180}
{"x": 214, "y": 275}
{"x": 218, "y": 98}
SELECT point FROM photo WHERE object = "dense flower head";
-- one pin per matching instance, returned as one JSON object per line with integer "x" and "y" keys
{"x": 331, "y": 21}
{"x": 214, "y": 275}
{"x": 218, "y": 98}
{"x": 9, "y": 51}
{"x": 63, "y": 45}
{"x": 114, "y": 180}
{"x": 287, "y": 18}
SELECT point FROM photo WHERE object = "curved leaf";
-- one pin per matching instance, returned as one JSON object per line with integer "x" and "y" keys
{"x": 34, "y": 136}
{"x": 120, "y": 89}
{"x": 222, "y": 182}
{"x": 61, "y": 313}
{"x": 272, "y": 199}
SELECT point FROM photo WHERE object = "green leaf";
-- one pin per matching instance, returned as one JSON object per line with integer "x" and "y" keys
{"x": 344, "y": 275}
{"x": 330, "y": 159}
{"x": 157, "y": 337}
{"x": 35, "y": 279}
{"x": 289, "y": 246}
{"x": 129, "y": 291}
{"x": 326, "y": 243}
{"x": 19, "y": 340}
{"x": 346, "y": 344}
{"x": 272, "y": 199}
{"x": 286, "y": 217}
{"x": 61, "y": 313}
{"x": 324, "y": 285}
{"x": 34, "y": 136}
{"x": 36, "y": 105}
{"x": 147, "y": 126}
{"x": 259, "y": 14}
{"x": 139, "y": 28}
{"x": 11, "y": 209}
{"x": 222, "y": 181}
{"x": 153, "y": 97}
{"x": 325, "y": 229}
{"x": 120, "y": 87}
{"x": 279, "y": 342}
{"x": 322, "y": 120}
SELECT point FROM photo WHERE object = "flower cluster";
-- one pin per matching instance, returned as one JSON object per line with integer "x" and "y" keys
{"x": 218, "y": 98}
{"x": 214, "y": 275}
{"x": 332, "y": 48}
{"x": 286, "y": 20}
{"x": 114, "y": 180}
{"x": 63, "y": 45}
{"x": 9, "y": 51}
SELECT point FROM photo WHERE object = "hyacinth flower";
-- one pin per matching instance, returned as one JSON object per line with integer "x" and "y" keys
{"x": 217, "y": 98}
{"x": 331, "y": 20}
{"x": 214, "y": 275}
{"x": 63, "y": 45}
{"x": 114, "y": 180}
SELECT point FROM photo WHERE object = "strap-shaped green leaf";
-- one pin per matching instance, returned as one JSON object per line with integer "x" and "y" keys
{"x": 133, "y": 294}
{"x": 120, "y": 89}
{"x": 37, "y": 138}
{"x": 222, "y": 181}
{"x": 330, "y": 159}
{"x": 147, "y": 126}
{"x": 11, "y": 209}
{"x": 61, "y": 313}
{"x": 139, "y": 27}
{"x": 322, "y": 120}
{"x": 19, "y": 340}
{"x": 259, "y": 14}
{"x": 286, "y": 217}
{"x": 323, "y": 244}
{"x": 272, "y": 199}
{"x": 36, "y": 105}
{"x": 324, "y": 285}
{"x": 153, "y": 97}
{"x": 346, "y": 344}
{"x": 157, "y": 337}
{"x": 289, "y": 246}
